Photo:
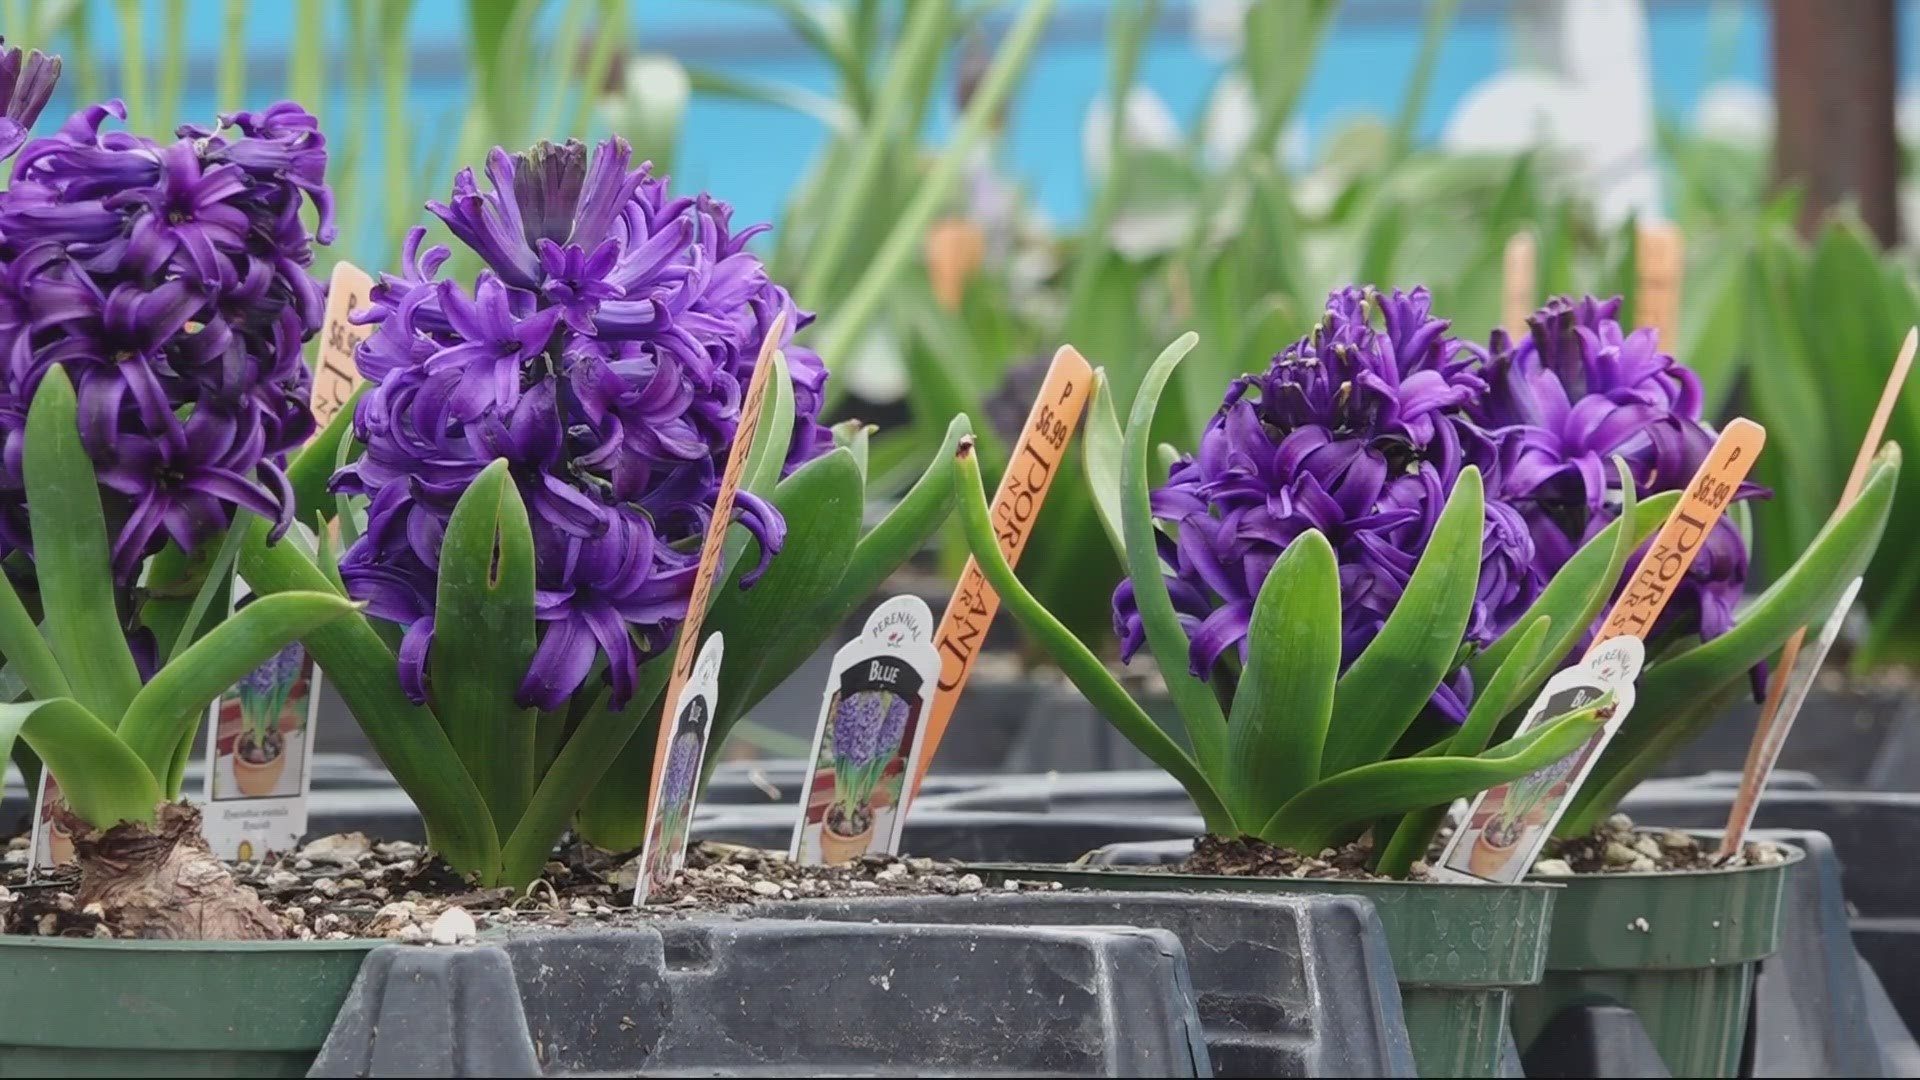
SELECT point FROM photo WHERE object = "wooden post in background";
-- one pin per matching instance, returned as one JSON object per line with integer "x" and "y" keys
{"x": 1834, "y": 76}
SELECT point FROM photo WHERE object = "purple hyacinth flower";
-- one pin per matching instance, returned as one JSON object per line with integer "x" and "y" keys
{"x": 169, "y": 281}
{"x": 1578, "y": 390}
{"x": 26, "y": 82}
{"x": 683, "y": 766}
{"x": 603, "y": 353}
{"x": 857, "y": 724}
{"x": 894, "y": 727}
{"x": 1359, "y": 430}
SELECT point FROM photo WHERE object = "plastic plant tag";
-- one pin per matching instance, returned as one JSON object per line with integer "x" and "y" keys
{"x": 1508, "y": 825}
{"x": 712, "y": 546}
{"x": 1751, "y": 780}
{"x": 671, "y": 812}
{"x": 1610, "y": 659}
{"x": 868, "y": 738}
{"x": 260, "y": 755}
{"x": 1798, "y": 680}
{"x": 335, "y": 376}
{"x": 1016, "y": 504}
{"x": 49, "y": 844}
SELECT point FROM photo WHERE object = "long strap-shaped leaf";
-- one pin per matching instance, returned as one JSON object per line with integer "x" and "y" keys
{"x": 1103, "y": 448}
{"x": 27, "y": 653}
{"x": 1802, "y": 595}
{"x": 1312, "y": 819}
{"x": 1410, "y": 840}
{"x": 314, "y": 465}
{"x": 822, "y": 504}
{"x": 100, "y": 778}
{"x": 167, "y": 709}
{"x": 408, "y": 737}
{"x": 1576, "y": 594}
{"x": 73, "y": 555}
{"x": 1285, "y": 698}
{"x": 1206, "y": 724}
{"x": 483, "y": 641}
{"x": 879, "y": 553}
{"x": 1074, "y": 659}
{"x": 1394, "y": 677}
{"x": 590, "y": 751}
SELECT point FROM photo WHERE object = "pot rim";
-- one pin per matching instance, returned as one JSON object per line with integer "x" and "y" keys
{"x": 32, "y": 941}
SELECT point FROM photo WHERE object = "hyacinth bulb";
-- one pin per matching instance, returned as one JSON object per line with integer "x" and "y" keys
{"x": 603, "y": 352}
{"x": 170, "y": 281}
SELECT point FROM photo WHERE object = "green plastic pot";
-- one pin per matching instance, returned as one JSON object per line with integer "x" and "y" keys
{"x": 1458, "y": 950}
{"x": 1679, "y": 949}
{"x": 83, "y": 1007}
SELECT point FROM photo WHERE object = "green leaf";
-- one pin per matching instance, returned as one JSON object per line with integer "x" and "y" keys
{"x": 1394, "y": 677}
{"x": 921, "y": 42}
{"x": 218, "y": 585}
{"x": 1802, "y": 596}
{"x": 1313, "y": 819}
{"x": 1199, "y": 709}
{"x": 72, "y": 555}
{"x": 899, "y": 535}
{"x": 1277, "y": 732}
{"x": 483, "y": 641}
{"x": 27, "y": 654}
{"x": 168, "y": 708}
{"x": 1411, "y": 841}
{"x": 869, "y": 292}
{"x": 1074, "y": 659}
{"x": 102, "y": 781}
{"x": 408, "y": 737}
{"x": 1576, "y": 594}
{"x": 581, "y": 766}
{"x": 822, "y": 504}
{"x": 1102, "y": 451}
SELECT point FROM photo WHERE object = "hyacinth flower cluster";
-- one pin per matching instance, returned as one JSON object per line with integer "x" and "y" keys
{"x": 1578, "y": 389}
{"x": 170, "y": 281}
{"x": 264, "y": 692}
{"x": 1342, "y": 589}
{"x": 153, "y": 302}
{"x": 603, "y": 354}
{"x": 867, "y": 728}
{"x": 538, "y": 455}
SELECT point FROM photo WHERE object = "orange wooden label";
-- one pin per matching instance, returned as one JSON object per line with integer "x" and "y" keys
{"x": 955, "y": 248}
{"x": 1015, "y": 507}
{"x": 1685, "y": 531}
{"x": 1659, "y": 266}
{"x": 335, "y": 375}
{"x": 710, "y": 551}
{"x": 1516, "y": 296}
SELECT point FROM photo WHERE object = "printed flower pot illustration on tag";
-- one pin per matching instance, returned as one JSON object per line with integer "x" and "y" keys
{"x": 868, "y": 739}
{"x": 261, "y": 747}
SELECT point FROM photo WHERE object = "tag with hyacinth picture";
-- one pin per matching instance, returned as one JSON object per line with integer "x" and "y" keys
{"x": 868, "y": 741}
{"x": 672, "y": 813}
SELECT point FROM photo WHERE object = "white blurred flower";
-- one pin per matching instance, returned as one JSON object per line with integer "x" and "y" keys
{"x": 1734, "y": 112}
{"x": 1229, "y": 123}
{"x": 1218, "y": 26}
{"x": 1147, "y": 125}
{"x": 876, "y": 371}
